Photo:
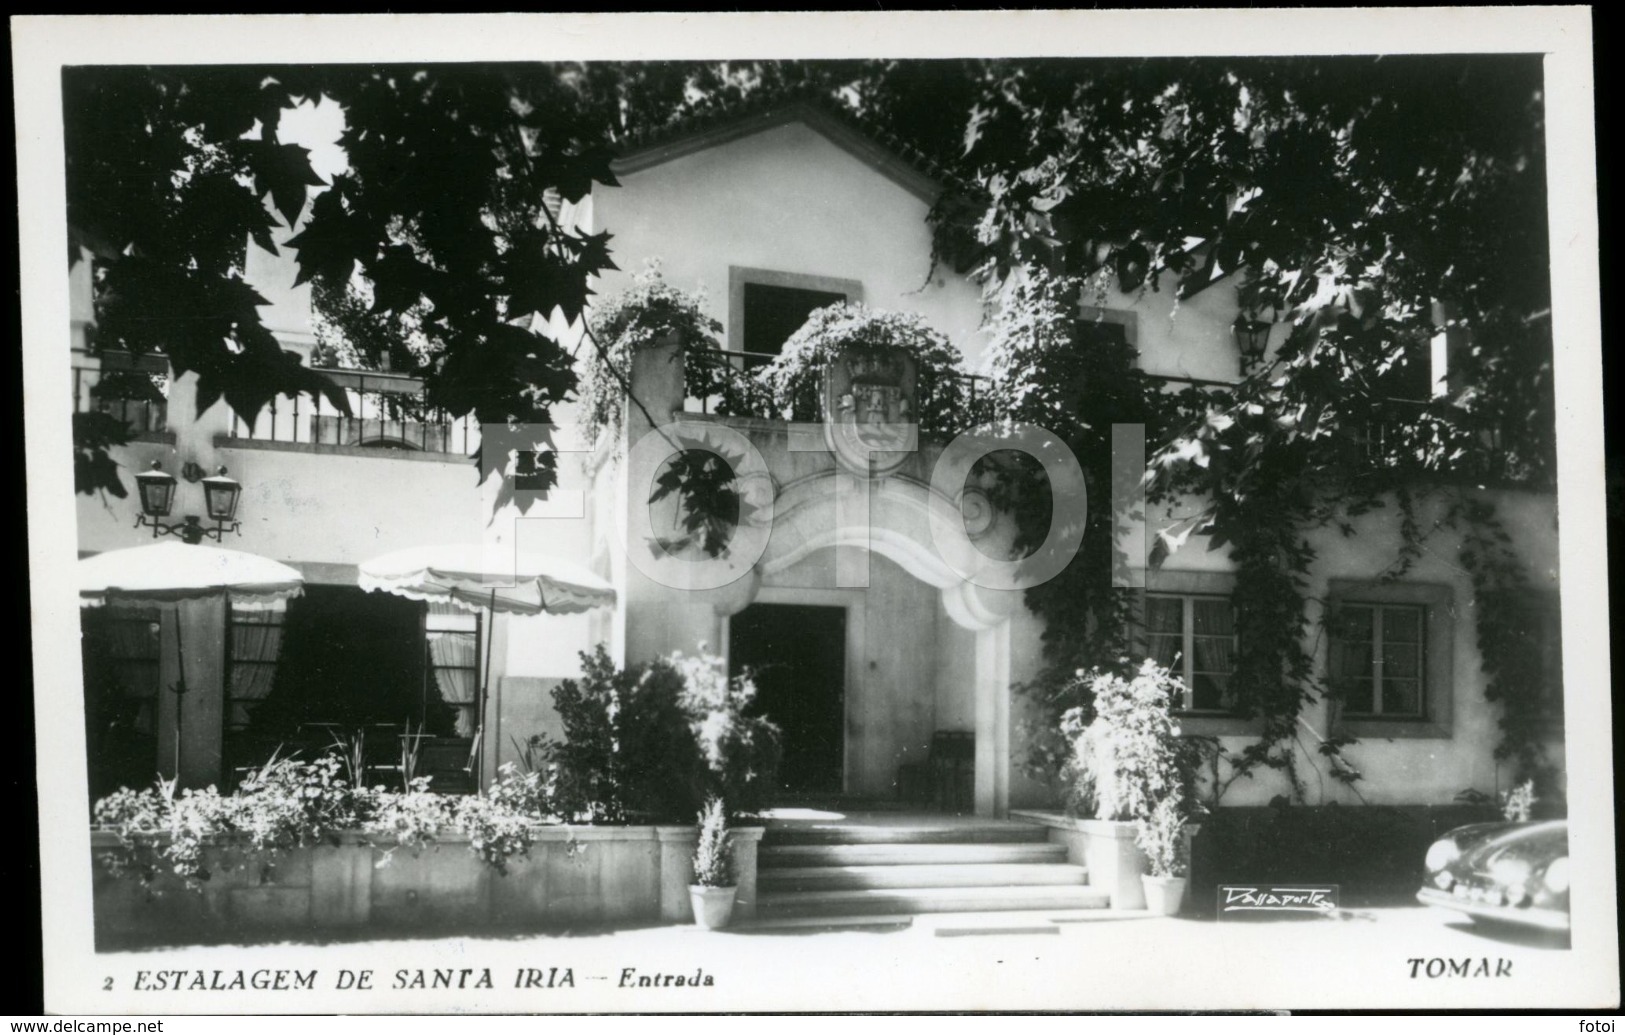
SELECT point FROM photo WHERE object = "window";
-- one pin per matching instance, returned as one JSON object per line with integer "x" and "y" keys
{"x": 767, "y": 307}
{"x": 454, "y": 663}
{"x": 1380, "y": 660}
{"x": 1389, "y": 658}
{"x": 1195, "y": 636}
{"x": 120, "y": 652}
{"x": 122, "y": 665}
{"x": 1107, "y": 326}
{"x": 1411, "y": 378}
{"x": 773, "y": 314}
{"x": 256, "y": 644}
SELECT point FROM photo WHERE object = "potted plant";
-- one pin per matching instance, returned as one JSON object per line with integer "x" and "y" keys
{"x": 1161, "y": 836}
{"x": 712, "y": 893}
{"x": 1124, "y": 761}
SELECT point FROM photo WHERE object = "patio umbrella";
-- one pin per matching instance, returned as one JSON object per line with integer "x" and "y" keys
{"x": 171, "y": 574}
{"x": 478, "y": 579}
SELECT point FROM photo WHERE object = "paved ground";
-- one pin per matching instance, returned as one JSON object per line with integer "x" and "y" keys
{"x": 1364, "y": 958}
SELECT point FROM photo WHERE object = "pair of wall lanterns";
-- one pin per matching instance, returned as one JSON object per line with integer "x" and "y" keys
{"x": 220, "y": 496}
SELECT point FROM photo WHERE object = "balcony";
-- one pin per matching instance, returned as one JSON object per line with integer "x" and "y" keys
{"x": 724, "y": 382}
{"x": 388, "y": 414}
{"x": 129, "y": 388}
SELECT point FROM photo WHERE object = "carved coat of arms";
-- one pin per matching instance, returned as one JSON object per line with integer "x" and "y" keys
{"x": 871, "y": 409}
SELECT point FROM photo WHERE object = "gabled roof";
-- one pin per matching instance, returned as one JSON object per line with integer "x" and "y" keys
{"x": 710, "y": 127}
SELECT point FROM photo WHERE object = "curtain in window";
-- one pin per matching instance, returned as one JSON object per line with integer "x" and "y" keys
{"x": 1165, "y": 629}
{"x": 453, "y": 655}
{"x": 1213, "y": 623}
{"x": 256, "y": 645}
{"x": 132, "y": 646}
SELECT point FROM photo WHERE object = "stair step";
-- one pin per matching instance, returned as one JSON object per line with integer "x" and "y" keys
{"x": 776, "y": 856}
{"x": 882, "y": 923}
{"x": 1028, "y": 921}
{"x": 962, "y": 875}
{"x": 928, "y": 900}
{"x": 945, "y": 833}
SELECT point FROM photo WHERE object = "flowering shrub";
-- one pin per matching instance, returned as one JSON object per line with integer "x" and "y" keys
{"x": 651, "y": 743}
{"x": 414, "y": 818}
{"x": 291, "y": 804}
{"x": 795, "y": 380}
{"x": 1125, "y": 761}
{"x": 640, "y": 317}
{"x": 740, "y": 751}
{"x": 1518, "y": 804}
{"x": 495, "y": 833}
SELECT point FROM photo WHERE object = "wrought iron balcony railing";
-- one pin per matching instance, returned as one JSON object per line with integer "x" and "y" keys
{"x": 387, "y": 411}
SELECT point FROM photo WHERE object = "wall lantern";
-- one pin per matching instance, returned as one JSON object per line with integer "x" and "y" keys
{"x": 1252, "y": 338}
{"x": 220, "y": 495}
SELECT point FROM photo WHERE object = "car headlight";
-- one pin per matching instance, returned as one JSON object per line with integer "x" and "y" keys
{"x": 1557, "y": 876}
{"x": 1442, "y": 854}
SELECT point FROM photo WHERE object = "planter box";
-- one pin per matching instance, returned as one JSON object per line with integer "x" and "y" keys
{"x": 1105, "y": 847}
{"x": 573, "y": 876}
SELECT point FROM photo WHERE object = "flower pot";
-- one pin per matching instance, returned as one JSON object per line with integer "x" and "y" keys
{"x": 712, "y": 906}
{"x": 1163, "y": 895}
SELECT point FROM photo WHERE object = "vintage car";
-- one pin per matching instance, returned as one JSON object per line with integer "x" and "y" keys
{"x": 1515, "y": 873}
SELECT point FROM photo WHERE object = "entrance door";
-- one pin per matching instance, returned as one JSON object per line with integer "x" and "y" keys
{"x": 798, "y": 654}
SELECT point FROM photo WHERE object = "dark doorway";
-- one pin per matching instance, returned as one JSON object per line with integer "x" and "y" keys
{"x": 798, "y": 654}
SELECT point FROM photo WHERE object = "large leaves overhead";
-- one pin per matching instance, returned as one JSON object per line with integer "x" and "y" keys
{"x": 172, "y": 171}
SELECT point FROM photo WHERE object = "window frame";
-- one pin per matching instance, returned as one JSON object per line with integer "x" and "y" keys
{"x": 1127, "y": 319}
{"x": 1195, "y": 584}
{"x": 257, "y": 617}
{"x": 1378, "y": 643}
{"x": 149, "y": 704}
{"x": 1437, "y": 604}
{"x": 431, "y": 684}
{"x": 1187, "y": 647}
{"x": 740, "y": 276}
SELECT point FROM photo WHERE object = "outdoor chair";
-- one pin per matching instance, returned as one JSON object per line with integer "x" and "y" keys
{"x": 946, "y": 780}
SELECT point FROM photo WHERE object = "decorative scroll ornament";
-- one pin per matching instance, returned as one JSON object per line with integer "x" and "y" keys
{"x": 871, "y": 409}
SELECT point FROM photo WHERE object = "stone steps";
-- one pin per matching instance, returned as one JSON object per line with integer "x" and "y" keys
{"x": 880, "y": 871}
{"x": 888, "y": 834}
{"x": 928, "y": 900}
{"x": 771, "y": 856}
{"x": 963, "y": 875}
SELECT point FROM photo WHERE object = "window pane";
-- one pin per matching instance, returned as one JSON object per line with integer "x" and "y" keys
{"x": 1164, "y": 649}
{"x": 1359, "y": 696}
{"x": 1165, "y": 614}
{"x": 1210, "y": 692}
{"x": 1402, "y": 624}
{"x": 1353, "y": 624}
{"x": 1213, "y": 654}
{"x": 773, "y": 314}
{"x": 1213, "y": 617}
{"x": 1401, "y": 696}
{"x": 1401, "y": 660}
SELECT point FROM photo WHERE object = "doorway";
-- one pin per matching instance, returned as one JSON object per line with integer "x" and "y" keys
{"x": 797, "y": 653}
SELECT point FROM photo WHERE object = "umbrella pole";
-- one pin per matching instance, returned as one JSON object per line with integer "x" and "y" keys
{"x": 485, "y": 687}
{"x": 179, "y": 690}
